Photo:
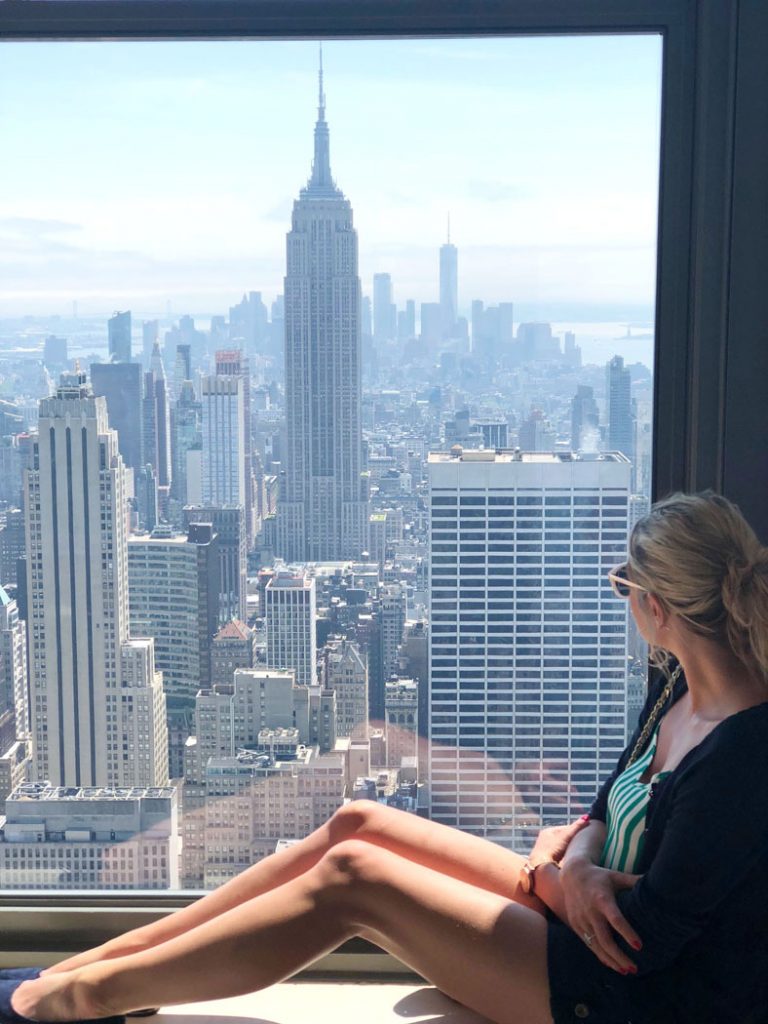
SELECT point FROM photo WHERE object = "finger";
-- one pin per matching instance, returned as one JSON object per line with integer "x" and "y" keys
{"x": 620, "y": 924}
{"x": 596, "y": 947}
{"x": 576, "y": 826}
{"x": 624, "y": 880}
{"x": 609, "y": 948}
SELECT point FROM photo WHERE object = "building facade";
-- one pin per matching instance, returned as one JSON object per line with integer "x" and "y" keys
{"x": 119, "y": 337}
{"x": 121, "y": 385}
{"x": 621, "y": 422}
{"x": 232, "y": 363}
{"x": 347, "y": 675}
{"x": 291, "y": 614}
{"x": 87, "y": 678}
{"x": 449, "y": 288}
{"x": 228, "y": 523}
{"x": 528, "y": 644}
{"x": 173, "y": 586}
{"x": 223, "y": 440}
{"x": 89, "y": 838}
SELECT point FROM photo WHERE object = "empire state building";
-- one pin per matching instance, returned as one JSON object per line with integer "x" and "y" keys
{"x": 323, "y": 510}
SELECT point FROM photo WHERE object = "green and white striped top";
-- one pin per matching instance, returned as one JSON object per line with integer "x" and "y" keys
{"x": 627, "y": 806}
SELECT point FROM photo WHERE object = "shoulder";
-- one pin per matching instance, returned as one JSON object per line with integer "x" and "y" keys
{"x": 733, "y": 759}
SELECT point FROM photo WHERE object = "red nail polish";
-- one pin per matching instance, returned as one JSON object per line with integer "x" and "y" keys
{"x": 632, "y": 970}
{"x": 637, "y": 945}
{"x": 584, "y": 817}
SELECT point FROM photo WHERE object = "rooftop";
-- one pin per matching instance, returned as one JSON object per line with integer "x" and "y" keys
{"x": 43, "y": 791}
{"x": 458, "y": 454}
{"x": 234, "y": 630}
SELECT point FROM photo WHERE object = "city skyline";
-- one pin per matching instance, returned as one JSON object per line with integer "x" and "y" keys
{"x": 552, "y": 196}
{"x": 339, "y": 573}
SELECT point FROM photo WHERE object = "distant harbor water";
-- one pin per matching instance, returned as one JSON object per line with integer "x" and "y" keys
{"x": 599, "y": 341}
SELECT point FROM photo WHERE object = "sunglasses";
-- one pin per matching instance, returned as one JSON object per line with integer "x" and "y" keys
{"x": 621, "y": 585}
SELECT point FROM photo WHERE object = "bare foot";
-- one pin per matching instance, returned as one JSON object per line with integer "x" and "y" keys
{"x": 58, "y": 997}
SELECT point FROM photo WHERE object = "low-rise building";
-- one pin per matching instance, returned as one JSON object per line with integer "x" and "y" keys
{"x": 66, "y": 837}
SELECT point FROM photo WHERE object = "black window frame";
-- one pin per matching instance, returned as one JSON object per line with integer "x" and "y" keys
{"x": 710, "y": 417}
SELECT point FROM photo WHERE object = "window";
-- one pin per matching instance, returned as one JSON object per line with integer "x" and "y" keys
{"x": 695, "y": 462}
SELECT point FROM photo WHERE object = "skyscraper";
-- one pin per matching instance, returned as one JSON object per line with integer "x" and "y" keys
{"x": 347, "y": 675}
{"x": 323, "y": 511}
{"x": 621, "y": 423}
{"x": 120, "y": 385}
{"x": 223, "y": 440}
{"x": 449, "y": 286}
{"x": 528, "y": 644}
{"x": 156, "y": 424}
{"x": 585, "y": 420}
{"x": 173, "y": 587}
{"x": 231, "y": 363}
{"x": 96, "y": 702}
{"x": 150, "y": 331}
{"x": 15, "y": 748}
{"x": 291, "y": 613}
{"x": 119, "y": 335}
{"x": 186, "y": 436}
{"x": 228, "y": 523}
{"x": 384, "y": 309}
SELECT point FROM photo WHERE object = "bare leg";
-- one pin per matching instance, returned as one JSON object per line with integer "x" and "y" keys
{"x": 468, "y": 858}
{"x": 482, "y": 949}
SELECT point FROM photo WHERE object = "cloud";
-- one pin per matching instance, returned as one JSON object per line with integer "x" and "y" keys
{"x": 496, "y": 191}
{"x": 280, "y": 212}
{"x": 35, "y": 227}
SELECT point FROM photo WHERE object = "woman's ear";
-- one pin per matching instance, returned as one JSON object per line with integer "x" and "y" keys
{"x": 657, "y": 611}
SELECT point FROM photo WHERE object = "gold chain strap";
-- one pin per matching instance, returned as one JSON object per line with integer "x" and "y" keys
{"x": 666, "y": 693}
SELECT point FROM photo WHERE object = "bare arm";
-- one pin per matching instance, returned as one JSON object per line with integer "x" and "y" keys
{"x": 586, "y": 845}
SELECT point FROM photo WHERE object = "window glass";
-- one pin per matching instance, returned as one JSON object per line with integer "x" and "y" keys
{"x": 325, "y": 406}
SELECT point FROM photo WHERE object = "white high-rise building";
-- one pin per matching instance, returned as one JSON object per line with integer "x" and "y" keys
{"x": 323, "y": 510}
{"x": 291, "y": 614}
{"x": 232, "y": 363}
{"x": 15, "y": 748}
{"x": 173, "y": 587}
{"x": 13, "y": 665}
{"x": 223, "y": 440}
{"x": 97, "y": 706}
{"x": 528, "y": 644}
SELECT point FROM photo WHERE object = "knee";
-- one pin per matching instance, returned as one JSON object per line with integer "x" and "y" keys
{"x": 350, "y": 863}
{"x": 356, "y": 816}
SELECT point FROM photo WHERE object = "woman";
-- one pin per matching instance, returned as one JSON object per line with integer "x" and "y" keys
{"x": 653, "y": 909}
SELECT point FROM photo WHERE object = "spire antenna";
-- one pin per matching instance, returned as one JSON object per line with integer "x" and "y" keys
{"x": 321, "y": 178}
{"x": 320, "y": 93}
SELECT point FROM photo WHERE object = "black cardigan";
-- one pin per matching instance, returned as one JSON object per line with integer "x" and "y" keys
{"x": 701, "y": 906}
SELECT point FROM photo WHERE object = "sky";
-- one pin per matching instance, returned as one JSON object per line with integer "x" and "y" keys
{"x": 133, "y": 175}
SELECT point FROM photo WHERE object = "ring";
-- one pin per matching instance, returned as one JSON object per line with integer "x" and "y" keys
{"x": 587, "y": 938}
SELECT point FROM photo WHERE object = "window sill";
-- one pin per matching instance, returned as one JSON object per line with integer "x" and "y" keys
{"x": 296, "y": 1002}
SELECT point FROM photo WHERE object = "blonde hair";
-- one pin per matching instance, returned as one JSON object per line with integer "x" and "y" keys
{"x": 701, "y": 559}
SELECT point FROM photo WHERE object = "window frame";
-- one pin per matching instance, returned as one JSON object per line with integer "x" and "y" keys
{"x": 712, "y": 255}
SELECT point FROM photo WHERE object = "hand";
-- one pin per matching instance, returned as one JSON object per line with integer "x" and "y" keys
{"x": 551, "y": 843}
{"x": 591, "y": 908}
